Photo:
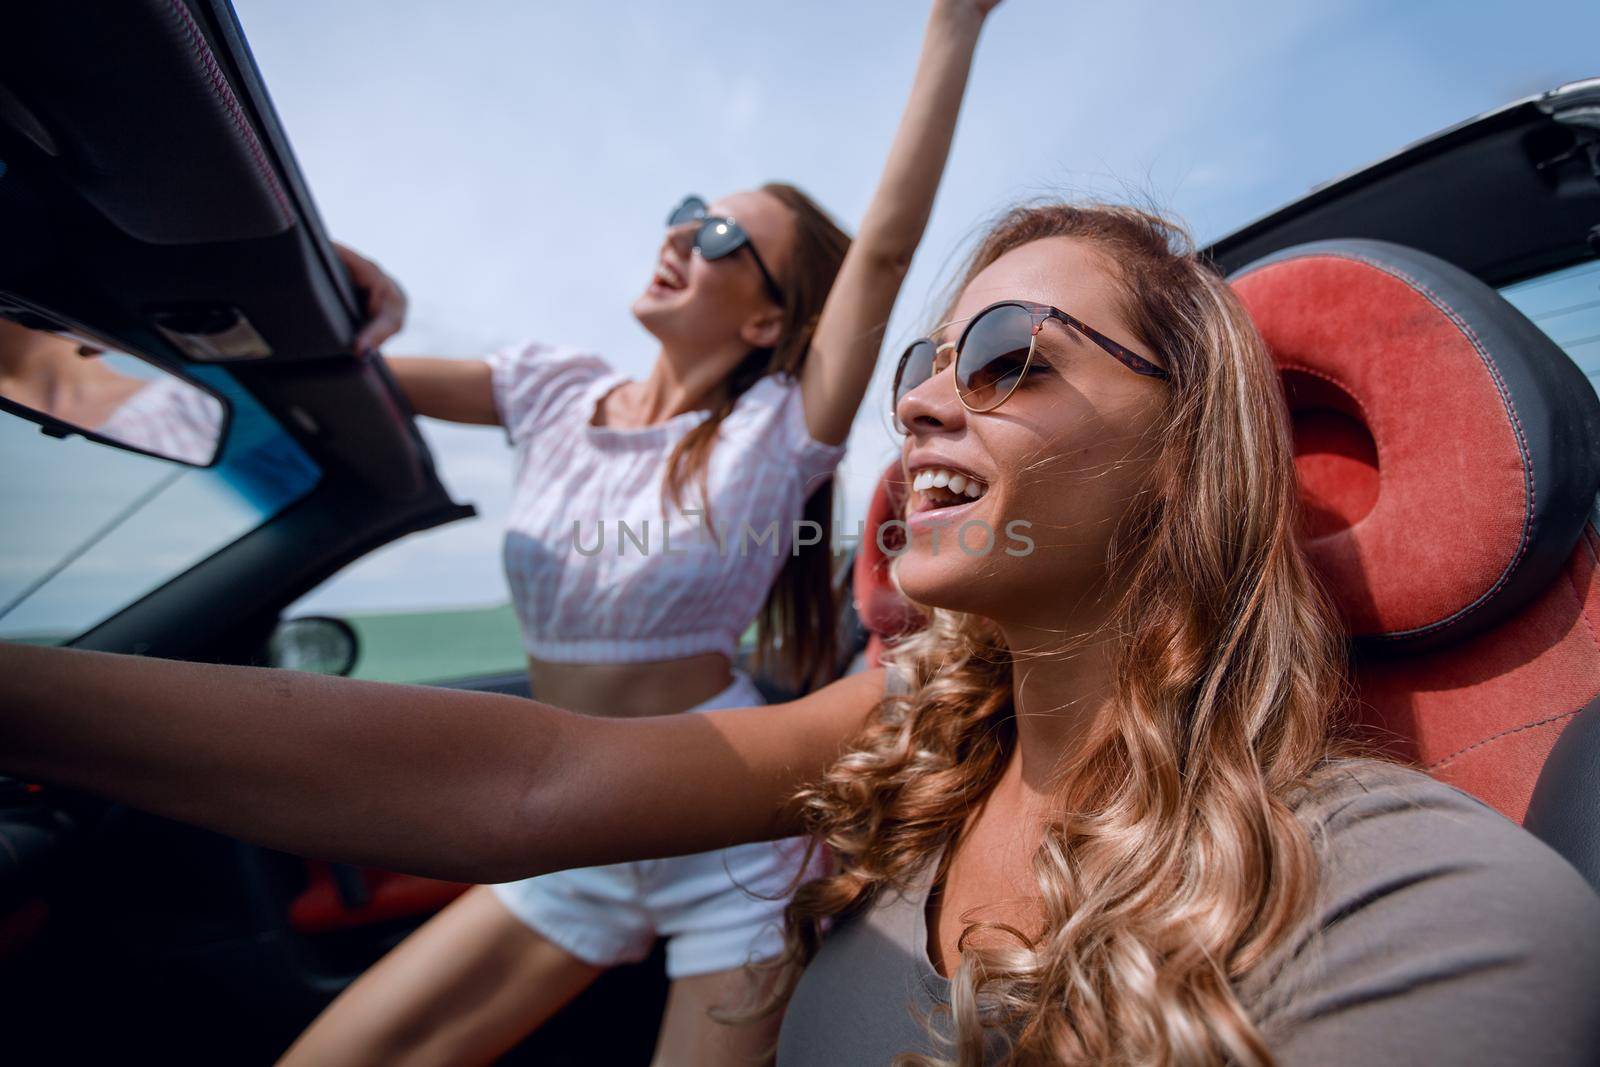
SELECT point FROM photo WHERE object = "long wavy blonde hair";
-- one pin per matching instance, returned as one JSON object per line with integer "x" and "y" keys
{"x": 1175, "y": 862}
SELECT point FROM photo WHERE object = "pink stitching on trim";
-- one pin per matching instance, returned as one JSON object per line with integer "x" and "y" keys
{"x": 1437, "y": 764}
{"x": 230, "y": 104}
{"x": 1530, "y": 502}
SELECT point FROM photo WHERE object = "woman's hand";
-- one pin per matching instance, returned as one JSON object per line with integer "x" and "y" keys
{"x": 456, "y": 390}
{"x": 383, "y": 301}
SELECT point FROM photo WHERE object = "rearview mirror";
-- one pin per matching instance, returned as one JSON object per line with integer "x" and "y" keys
{"x": 70, "y": 385}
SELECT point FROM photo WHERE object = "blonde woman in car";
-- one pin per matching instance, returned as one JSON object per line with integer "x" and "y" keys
{"x": 1096, "y": 812}
{"x": 652, "y": 522}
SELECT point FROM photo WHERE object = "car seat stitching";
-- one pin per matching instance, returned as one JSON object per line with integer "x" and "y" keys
{"x": 1530, "y": 501}
{"x": 1441, "y": 763}
{"x": 1587, "y": 548}
{"x": 224, "y": 95}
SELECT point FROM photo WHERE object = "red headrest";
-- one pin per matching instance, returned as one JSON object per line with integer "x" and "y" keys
{"x": 1446, "y": 447}
{"x": 881, "y": 608}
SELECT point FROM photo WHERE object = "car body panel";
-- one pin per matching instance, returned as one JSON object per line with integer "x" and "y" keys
{"x": 1523, "y": 195}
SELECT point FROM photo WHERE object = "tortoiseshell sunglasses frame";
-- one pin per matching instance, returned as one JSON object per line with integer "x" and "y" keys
{"x": 1039, "y": 314}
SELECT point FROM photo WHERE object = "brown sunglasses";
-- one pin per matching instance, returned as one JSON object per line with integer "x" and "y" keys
{"x": 995, "y": 351}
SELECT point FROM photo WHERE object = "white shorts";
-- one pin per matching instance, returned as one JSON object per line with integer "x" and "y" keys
{"x": 718, "y": 910}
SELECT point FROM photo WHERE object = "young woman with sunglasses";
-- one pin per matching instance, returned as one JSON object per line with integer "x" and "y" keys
{"x": 1095, "y": 812}
{"x": 769, "y": 321}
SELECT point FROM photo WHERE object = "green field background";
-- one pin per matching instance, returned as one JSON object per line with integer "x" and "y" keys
{"x": 437, "y": 646}
{"x": 422, "y": 646}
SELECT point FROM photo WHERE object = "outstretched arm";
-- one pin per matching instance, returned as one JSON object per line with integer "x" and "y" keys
{"x": 849, "y": 334}
{"x": 468, "y": 786}
{"x": 456, "y": 390}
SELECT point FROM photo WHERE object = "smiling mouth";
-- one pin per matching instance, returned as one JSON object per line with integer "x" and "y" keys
{"x": 934, "y": 488}
{"x": 668, "y": 277}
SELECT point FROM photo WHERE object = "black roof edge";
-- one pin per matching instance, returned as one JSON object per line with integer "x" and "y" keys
{"x": 1574, "y": 104}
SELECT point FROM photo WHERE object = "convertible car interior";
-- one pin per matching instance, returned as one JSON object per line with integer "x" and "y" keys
{"x": 1438, "y": 356}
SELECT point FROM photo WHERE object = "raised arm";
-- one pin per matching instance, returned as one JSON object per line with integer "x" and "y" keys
{"x": 849, "y": 334}
{"x": 469, "y": 786}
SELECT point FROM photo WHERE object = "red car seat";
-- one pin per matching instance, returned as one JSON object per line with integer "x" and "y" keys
{"x": 1449, "y": 458}
{"x": 882, "y": 610}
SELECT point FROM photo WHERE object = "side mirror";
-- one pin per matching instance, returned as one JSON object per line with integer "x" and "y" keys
{"x": 318, "y": 644}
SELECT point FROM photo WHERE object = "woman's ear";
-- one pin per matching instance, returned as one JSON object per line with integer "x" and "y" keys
{"x": 763, "y": 329}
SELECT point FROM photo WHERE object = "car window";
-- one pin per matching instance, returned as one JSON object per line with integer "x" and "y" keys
{"x": 89, "y": 529}
{"x": 433, "y": 606}
{"x": 1566, "y": 305}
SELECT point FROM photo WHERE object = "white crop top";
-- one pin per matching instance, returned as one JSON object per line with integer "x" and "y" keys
{"x": 602, "y": 569}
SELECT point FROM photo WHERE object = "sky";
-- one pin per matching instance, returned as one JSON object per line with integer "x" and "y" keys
{"x": 511, "y": 163}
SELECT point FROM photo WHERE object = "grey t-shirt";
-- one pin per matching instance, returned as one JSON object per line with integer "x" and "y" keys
{"x": 1443, "y": 933}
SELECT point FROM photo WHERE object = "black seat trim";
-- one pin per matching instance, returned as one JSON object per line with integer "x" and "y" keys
{"x": 1565, "y": 810}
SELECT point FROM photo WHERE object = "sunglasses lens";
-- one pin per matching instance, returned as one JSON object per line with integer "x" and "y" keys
{"x": 718, "y": 238}
{"x": 993, "y": 355}
{"x": 916, "y": 367}
{"x": 691, "y": 209}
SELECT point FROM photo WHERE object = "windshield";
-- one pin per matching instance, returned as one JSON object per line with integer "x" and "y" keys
{"x": 1566, "y": 305}
{"x": 90, "y": 529}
